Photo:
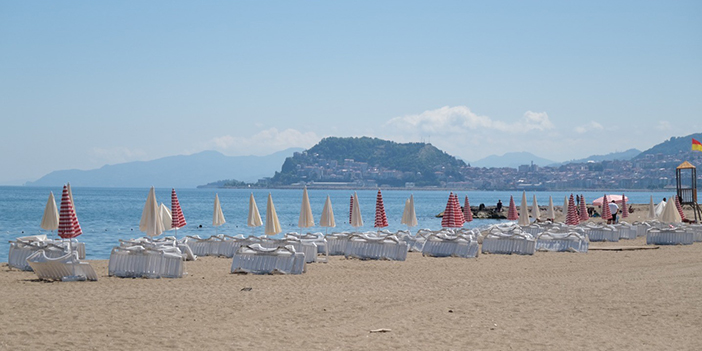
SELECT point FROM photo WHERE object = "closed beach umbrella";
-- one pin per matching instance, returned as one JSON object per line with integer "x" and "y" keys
{"x": 670, "y": 213}
{"x": 306, "y": 219}
{"x": 381, "y": 219}
{"x": 572, "y": 216}
{"x": 409, "y": 217}
{"x": 452, "y": 213}
{"x": 651, "y": 209}
{"x": 254, "y": 218}
{"x": 151, "y": 222}
{"x": 351, "y": 209}
{"x": 467, "y": 213}
{"x": 606, "y": 213}
{"x": 166, "y": 217}
{"x": 625, "y": 210}
{"x": 272, "y": 223}
{"x": 583, "y": 209}
{"x": 565, "y": 205}
{"x": 523, "y": 211}
{"x": 70, "y": 197}
{"x": 460, "y": 218}
{"x": 178, "y": 219}
{"x": 535, "y": 211}
{"x": 356, "y": 218}
{"x": 679, "y": 208}
{"x": 68, "y": 221}
{"x": 550, "y": 212}
{"x": 217, "y": 214}
{"x": 327, "y": 219}
{"x": 512, "y": 211}
{"x": 50, "y": 220}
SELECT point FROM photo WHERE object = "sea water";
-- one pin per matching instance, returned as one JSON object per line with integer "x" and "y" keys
{"x": 109, "y": 214}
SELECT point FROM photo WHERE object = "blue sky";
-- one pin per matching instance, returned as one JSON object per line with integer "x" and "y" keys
{"x": 88, "y": 83}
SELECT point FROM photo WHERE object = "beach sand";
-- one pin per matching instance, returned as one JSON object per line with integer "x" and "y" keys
{"x": 601, "y": 300}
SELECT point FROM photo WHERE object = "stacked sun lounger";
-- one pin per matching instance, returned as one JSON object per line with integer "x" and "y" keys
{"x": 67, "y": 267}
{"x": 367, "y": 246}
{"x": 626, "y": 230}
{"x": 533, "y": 229}
{"x": 142, "y": 262}
{"x": 562, "y": 241}
{"x": 641, "y": 228}
{"x": 257, "y": 259}
{"x": 336, "y": 243}
{"x": 168, "y": 244}
{"x": 508, "y": 240}
{"x": 23, "y": 247}
{"x": 669, "y": 236}
{"x": 316, "y": 238}
{"x": 415, "y": 242}
{"x": 600, "y": 232}
{"x": 447, "y": 245}
{"x": 696, "y": 231}
{"x": 216, "y": 245}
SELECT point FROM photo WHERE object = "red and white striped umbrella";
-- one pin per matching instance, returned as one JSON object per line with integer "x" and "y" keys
{"x": 467, "y": 213}
{"x": 583, "y": 209}
{"x": 381, "y": 220}
{"x": 512, "y": 212}
{"x": 625, "y": 210}
{"x": 572, "y": 217}
{"x": 460, "y": 218}
{"x": 679, "y": 207}
{"x": 449, "y": 218}
{"x": 176, "y": 212}
{"x": 351, "y": 209}
{"x": 68, "y": 222}
{"x": 606, "y": 213}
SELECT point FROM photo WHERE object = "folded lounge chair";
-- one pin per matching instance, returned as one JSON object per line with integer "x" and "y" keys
{"x": 511, "y": 242}
{"x": 257, "y": 259}
{"x": 368, "y": 247}
{"x": 67, "y": 267}
{"x": 442, "y": 245}
{"x": 141, "y": 262}
{"x": 570, "y": 241}
{"x": 669, "y": 236}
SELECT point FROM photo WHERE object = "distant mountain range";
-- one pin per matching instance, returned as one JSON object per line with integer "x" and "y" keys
{"x": 512, "y": 160}
{"x": 183, "y": 171}
{"x": 623, "y": 155}
{"x": 673, "y": 146}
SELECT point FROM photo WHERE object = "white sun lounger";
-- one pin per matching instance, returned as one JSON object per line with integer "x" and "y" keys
{"x": 166, "y": 245}
{"x": 367, "y": 247}
{"x": 514, "y": 242}
{"x": 562, "y": 242}
{"x": 336, "y": 243}
{"x": 308, "y": 248}
{"x": 20, "y": 251}
{"x": 626, "y": 230}
{"x": 315, "y": 238}
{"x": 257, "y": 259}
{"x": 67, "y": 267}
{"x": 140, "y": 262}
{"x": 601, "y": 232}
{"x": 533, "y": 229}
{"x": 696, "y": 231}
{"x": 441, "y": 245}
{"x": 669, "y": 236}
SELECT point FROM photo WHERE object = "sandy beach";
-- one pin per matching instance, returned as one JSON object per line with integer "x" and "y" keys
{"x": 601, "y": 300}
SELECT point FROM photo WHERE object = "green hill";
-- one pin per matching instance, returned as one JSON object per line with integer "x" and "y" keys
{"x": 674, "y": 146}
{"x": 336, "y": 159}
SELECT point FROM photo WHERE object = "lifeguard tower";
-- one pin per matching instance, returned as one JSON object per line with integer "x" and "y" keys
{"x": 686, "y": 184}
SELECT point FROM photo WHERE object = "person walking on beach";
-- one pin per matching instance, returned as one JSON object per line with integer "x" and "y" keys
{"x": 613, "y": 208}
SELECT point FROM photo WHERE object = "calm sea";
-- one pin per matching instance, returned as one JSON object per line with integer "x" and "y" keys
{"x": 109, "y": 214}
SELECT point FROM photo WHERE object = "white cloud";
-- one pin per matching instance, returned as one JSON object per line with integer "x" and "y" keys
{"x": 460, "y": 119}
{"x": 264, "y": 142}
{"x": 664, "y": 125}
{"x": 115, "y": 155}
{"x": 589, "y": 127}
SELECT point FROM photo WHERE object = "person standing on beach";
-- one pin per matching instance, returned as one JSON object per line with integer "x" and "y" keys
{"x": 613, "y": 208}
{"x": 499, "y": 206}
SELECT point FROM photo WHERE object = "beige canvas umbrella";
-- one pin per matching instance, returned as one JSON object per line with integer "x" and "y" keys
{"x": 327, "y": 219}
{"x": 670, "y": 213}
{"x": 166, "y": 217}
{"x": 151, "y": 222}
{"x": 356, "y": 218}
{"x": 523, "y": 211}
{"x": 70, "y": 196}
{"x": 217, "y": 214}
{"x": 551, "y": 213}
{"x": 651, "y": 209}
{"x": 50, "y": 220}
{"x": 254, "y": 218}
{"x": 306, "y": 220}
{"x": 409, "y": 217}
{"x": 272, "y": 223}
{"x": 535, "y": 211}
{"x": 565, "y": 205}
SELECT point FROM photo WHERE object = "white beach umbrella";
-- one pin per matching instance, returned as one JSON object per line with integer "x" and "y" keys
{"x": 272, "y": 223}
{"x": 670, "y": 213}
{"x": 70, "y": 196}
{"x": 327, "y": 219}
{"x": 151, "y": 222}
{"x": 651, "y": 209}
{"x": 565, "y": 205}
{"x": 217, "y": 214}
{"x": 50, "y": 220}
{"x": 166, "y": 217}
{"x": 254, "y": 218}
{"x": 523, "y": 211}
{"x": 535, "y": 211}
{"x": 356, "y": 218}
{"x": 306, "y": 220}
{"x": 411, "y": 216}
{"x": 551, "y": 213}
